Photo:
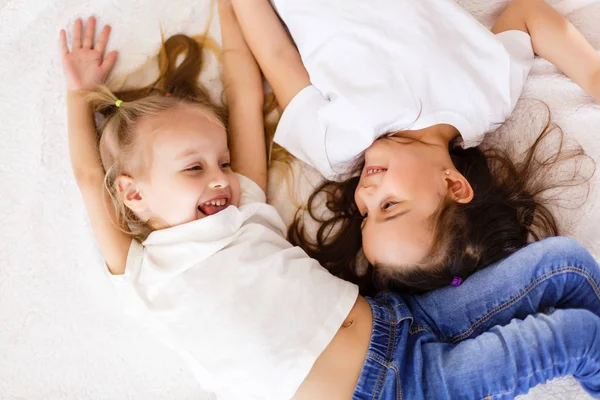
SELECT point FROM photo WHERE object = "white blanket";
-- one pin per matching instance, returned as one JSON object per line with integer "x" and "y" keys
{"x": 62, "y": 333}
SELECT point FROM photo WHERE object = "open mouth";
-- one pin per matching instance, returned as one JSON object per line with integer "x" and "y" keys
{"x": 214, "y": 206}
{"x": 375, "y": 170}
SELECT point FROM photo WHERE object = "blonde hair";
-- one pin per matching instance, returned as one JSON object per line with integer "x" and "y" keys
{"x": 177, "y": 84}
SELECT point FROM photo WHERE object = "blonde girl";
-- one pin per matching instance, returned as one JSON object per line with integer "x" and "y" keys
{"x": 205, "y": 260}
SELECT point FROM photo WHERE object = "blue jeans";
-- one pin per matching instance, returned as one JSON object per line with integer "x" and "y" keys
{"x": 490, "y": 338}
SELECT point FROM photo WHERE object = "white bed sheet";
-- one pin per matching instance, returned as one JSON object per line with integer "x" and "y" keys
{"x": 62, "y": 333}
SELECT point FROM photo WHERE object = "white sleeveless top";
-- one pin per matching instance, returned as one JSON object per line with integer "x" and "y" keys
{"x": 246, "y": 311}
{"x": 380, "y": 66}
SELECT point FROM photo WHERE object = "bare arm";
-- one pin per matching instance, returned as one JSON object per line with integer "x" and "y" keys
{"x": 273, "y": 49}
{"x": 555, "y": 39}
{"x": 245, "y": 99}
{"x": 84, "y": 68}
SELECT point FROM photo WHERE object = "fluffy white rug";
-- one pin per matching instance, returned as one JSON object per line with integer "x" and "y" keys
{"x": 62, "y": 333}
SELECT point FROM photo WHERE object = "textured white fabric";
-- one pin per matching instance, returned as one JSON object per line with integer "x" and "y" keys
{"x": 395, "y": 65}
{"x": 63, "y": 334}
{"x": 249, "y": 312}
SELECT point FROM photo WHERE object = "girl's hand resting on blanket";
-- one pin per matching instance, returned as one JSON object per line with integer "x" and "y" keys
{"x": 85, "y": 65}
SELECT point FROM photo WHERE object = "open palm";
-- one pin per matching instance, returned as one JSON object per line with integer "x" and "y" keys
{"x": 84, "y": 65}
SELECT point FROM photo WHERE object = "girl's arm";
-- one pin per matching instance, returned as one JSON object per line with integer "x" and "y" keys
{"x": 555, "y": 39}
{"x": 245, "y": 97}
{"x": 85, "y": 67}
{"x": 273, "y": 49}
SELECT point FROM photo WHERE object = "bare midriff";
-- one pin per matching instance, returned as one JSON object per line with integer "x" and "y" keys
{"x": 335, "y": 373}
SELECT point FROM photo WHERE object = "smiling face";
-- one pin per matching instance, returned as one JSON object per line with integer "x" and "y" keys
{"x": 399, "y": 190}
{"x": 188, "y": 173}
{"x": 402, "y": 185}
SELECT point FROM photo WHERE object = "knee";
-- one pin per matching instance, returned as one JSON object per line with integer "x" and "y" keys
{"x": 567, "y": 247}
{"x": 562, "y": 242}
{"x": 553, "y": 253}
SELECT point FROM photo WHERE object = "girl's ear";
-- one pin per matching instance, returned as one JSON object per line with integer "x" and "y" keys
{"x": 130, "y": 195}
{"x": 459, "y": 188}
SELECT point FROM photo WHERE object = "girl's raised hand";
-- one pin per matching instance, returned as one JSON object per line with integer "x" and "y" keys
{"x": 84, "y": 65}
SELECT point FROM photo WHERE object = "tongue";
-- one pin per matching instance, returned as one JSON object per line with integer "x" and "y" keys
{"x": 209, "y": 209}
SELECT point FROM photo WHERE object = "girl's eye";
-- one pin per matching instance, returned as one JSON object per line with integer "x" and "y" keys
{"x": 387, "y": 205}
{"x": 195, "y": 168}
{"x": 226, "y": 165}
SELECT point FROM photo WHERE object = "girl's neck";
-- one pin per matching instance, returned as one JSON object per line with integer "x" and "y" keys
{"x": 439, "y": 135}
{"x": 437, "y": 139}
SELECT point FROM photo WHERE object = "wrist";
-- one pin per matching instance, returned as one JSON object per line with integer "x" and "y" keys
{"x": 77, "y": 103}
{"x": 75, "y": 94}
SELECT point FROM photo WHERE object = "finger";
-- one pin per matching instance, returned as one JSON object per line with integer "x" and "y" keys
{"x": 90, "y": 31}
{"x": 77, "y": 34}
{"x": 100, "y": 45}
{"x": 109, "y": 62}
{"x": 64, "y": 47}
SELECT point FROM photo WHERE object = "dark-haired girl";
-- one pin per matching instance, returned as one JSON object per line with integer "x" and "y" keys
{"x": 205, "y": 261}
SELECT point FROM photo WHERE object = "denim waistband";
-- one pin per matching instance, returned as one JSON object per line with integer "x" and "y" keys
{"x": 389, "y": 314}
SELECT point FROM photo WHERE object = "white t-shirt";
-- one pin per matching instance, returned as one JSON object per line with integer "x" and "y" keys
{"x": 381, "y": 66}
{"x": 246, "y": 310}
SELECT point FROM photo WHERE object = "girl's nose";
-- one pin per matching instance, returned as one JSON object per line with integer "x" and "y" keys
{"x": 367, "y": 195}
{"x": 219, "y": 181}
{"x": 368, "y": 185}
